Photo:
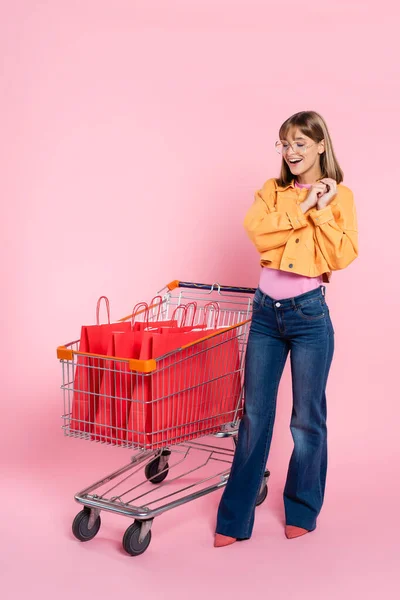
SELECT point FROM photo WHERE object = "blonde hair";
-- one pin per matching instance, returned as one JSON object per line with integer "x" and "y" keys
{"x": 313, "y": 126}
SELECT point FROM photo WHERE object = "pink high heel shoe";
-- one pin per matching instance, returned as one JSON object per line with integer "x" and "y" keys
{"x": 223, "y": 540}
{"x": 291, "y": 531}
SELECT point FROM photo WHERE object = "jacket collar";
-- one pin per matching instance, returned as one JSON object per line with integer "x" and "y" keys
{"x": 281, "y": 188}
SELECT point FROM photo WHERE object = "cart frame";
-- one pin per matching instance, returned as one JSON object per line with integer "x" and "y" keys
{"x": 147, "y": 498}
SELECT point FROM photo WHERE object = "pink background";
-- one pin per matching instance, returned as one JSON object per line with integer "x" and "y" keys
{"x": 133, "y": 136}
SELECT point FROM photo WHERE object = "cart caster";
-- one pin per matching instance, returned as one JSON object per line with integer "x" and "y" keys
{"x": 82, "y": 527}
{"x": 137, "y": 537}
{"x": 157, "y": 470}
{"x": 263, "y": 493}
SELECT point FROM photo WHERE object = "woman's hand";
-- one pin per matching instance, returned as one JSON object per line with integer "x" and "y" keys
{"x": 316, "y": 191}
{"x": 331, "y": 191}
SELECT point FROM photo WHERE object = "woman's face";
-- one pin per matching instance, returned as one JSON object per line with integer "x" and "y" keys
{"x": 303, "y": 148}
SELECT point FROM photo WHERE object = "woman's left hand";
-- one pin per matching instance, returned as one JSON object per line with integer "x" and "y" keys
{"x": 329, "y": 195}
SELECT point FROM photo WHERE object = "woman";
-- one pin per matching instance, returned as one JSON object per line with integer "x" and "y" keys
{"x": 304, "y": 226}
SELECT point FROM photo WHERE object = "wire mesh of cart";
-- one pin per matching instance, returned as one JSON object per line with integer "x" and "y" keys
{"x": 162, "y": 407}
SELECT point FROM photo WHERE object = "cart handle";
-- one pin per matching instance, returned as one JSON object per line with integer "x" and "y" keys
{"x": 189, "y": 285}
{"x": 210, "y": 287}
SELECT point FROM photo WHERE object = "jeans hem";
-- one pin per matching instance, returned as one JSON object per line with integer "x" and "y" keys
{"x": 240, "y": 538}
{"x": 303, "y": 525}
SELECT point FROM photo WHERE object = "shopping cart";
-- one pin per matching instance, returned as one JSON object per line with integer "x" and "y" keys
{"x": 165, "y": 428}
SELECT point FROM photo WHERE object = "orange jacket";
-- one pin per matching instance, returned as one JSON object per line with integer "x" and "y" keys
{"x": 312, "y": 243}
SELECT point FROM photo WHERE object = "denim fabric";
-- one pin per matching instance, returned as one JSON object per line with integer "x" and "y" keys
{"x": 301, "y": 324}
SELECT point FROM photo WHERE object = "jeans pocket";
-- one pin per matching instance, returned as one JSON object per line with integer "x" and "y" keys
{"x": 257, "y": 302}
{"x": 312, "y": 311}
{"x": 257, "y": 306}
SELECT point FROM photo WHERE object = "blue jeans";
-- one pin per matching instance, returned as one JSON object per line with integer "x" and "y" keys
{"x": 302, "y": 325}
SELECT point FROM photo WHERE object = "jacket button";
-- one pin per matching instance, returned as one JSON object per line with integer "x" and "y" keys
{"x": 290, "y": 266}
{"x": 297, "y": 240}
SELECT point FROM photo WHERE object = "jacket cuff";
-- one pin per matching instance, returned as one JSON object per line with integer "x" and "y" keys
{"x": 320, "y": 217}
{"x": 297, "y": 219}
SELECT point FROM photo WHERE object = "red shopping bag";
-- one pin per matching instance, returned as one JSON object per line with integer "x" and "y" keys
{"x": 148, "y": 321}
{"x": 116, "y": 388}
{"x": 178, "y": 400}
{"x": 152, "y": 346}
{"x": 183, "y": 328}
{"x": 154, "y": 325}
{"x": 118, "y": 381}
{"x": 89, "y": 370}
{"x": 221, "y": 401}
{"x": 220, "y": 397}
{"x": 201, "y": 393}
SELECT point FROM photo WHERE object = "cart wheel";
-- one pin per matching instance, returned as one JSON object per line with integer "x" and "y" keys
{"x": 152, "y": 469}
{"x": 264, "y": 491}
{"x": 131, "y": 542}
{"x": 80, "y": 526}
{"x": 262, "y": 496}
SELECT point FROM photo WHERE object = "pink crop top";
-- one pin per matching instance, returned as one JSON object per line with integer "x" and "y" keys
{"x": 281, "y": 284}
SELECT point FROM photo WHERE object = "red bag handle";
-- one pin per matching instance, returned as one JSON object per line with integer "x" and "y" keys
{"x": 180, "y": 307}
{"x": 98, "y": 309}
{"x": 194, "y": 305}
{"x": 135, "y": 311}
{"x": 215, "y": 306}
{"x": 159, "y": 305}
{"x": 185, "y": 308}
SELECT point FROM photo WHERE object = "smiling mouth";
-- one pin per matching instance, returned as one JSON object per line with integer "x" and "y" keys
{"x": 295, "y": 162}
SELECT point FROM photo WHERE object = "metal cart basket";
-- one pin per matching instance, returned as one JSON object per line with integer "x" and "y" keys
{"x": 166, "y": 408}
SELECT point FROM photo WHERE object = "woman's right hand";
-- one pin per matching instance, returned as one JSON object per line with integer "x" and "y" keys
{"x": 314, "y": 194}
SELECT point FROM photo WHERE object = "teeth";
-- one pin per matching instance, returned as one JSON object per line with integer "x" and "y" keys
{"x": 295, "y": 161}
